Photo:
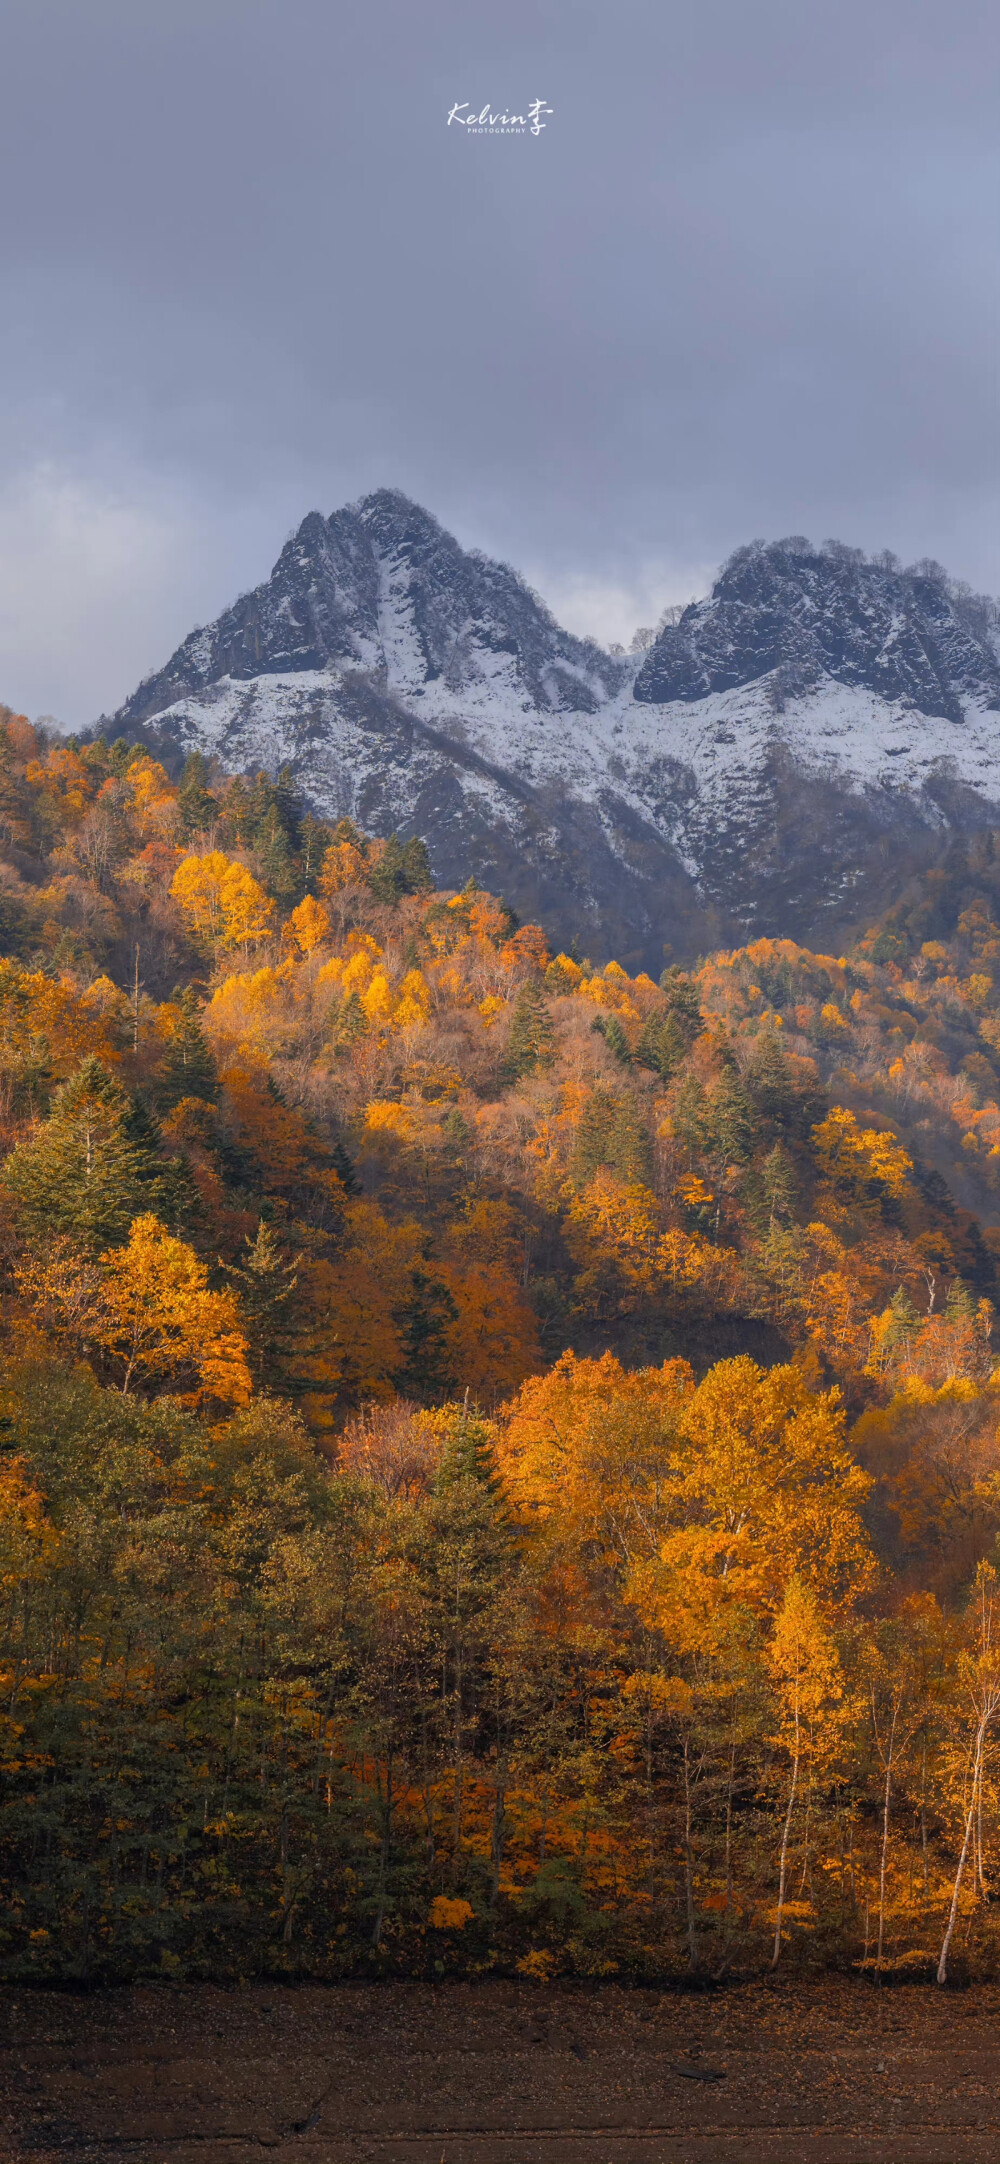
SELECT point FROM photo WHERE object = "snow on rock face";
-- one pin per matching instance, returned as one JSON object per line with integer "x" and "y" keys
{"x": 805, "y": 613}
{"x": 768, "y": 765}
{"x": 381, "y": 586}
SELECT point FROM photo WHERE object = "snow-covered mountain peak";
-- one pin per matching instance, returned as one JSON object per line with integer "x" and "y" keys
{"x": 760, "y": 767}
{"x": 798, "y": 613}
{"x": 382, "y": 587}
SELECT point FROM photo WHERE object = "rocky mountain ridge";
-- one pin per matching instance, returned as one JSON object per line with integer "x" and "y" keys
{"x": 769, "y": 764}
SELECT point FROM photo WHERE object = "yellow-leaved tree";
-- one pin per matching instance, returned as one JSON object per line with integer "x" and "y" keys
{"x": 221, "y": 901}
{"x": 760, "y": 1487}
{"x": 148, "y": 1312}
{"x": 308, "y": 926}
{"x": 857, "y": 1159}
{"x": 156, "y": 1322}
{"x": 154, "y": 797}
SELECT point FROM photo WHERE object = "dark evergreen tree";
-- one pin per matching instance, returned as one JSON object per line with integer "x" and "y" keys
{"x": 286, "y": 806}
{"x": 425, "y": 1319}
{"x": 468, "y": 1455}
{"x": 612, "y": 1135}
{"x": 609, "y": 1027}
{"x": 344, "y": 1169}
{"x": 400, "y": 868}
{"x": 238, "y": 814}
{"x": 189, "y": 1069}
{"x": 531, "y": 1042}
{"x": 387, "y": 879}
{"x": 417, "y": 865}
{"x": 352, "y": 1020}
{"x": 779, "y": 1187}
{"x": 690, "y": 1115}
{"x": 731, "y": 1121}
{"x": 960, "y": 1306}
{"x": 121, "y": 755}
{"x": 905, "y": 1319}
{"x": 682, "y": 1002}
{"x": 782, "y": 1107}
{"x": 265, "y": 1283}
{"x": 275, "y": 859}
{"x": 315, "y": 839}
{"x": 94, "y": 1165}
{"x": 456, "y": 1131}
{"x": 661, "y": 1045}
{"x": 198, "y": 807}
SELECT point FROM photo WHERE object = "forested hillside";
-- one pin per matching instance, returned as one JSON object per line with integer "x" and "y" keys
{"x": 498, "y": 1457}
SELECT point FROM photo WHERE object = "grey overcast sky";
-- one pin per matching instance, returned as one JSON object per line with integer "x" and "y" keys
{"x": 744, "y": 283}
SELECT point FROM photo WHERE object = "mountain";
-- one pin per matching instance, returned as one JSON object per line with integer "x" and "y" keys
{"x": 771, "y": 764}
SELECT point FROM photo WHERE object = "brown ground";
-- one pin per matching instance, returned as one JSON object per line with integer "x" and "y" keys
{"x": 831, "y": 2073}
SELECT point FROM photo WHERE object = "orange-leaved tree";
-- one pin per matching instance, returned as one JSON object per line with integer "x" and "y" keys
{"x": 584, "y": 1449}
{"x": 308, "y": 926}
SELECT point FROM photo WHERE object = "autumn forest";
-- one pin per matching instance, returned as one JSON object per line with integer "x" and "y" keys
{"x": 499, "y": 1459}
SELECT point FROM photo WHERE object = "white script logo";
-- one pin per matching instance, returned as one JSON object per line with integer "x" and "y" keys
{"x": 488, "y": 122}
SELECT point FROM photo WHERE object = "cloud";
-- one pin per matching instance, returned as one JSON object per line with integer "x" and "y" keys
{"x": 84, "y": 569}
{"x": 743, "y": 285}
{"x": 610, "y": 612}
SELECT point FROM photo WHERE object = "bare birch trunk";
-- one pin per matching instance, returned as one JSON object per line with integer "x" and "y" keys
{"x": 786, "y": 1830}
{"x": 886, "y": 1805}
{"x": 942, "y": 1968}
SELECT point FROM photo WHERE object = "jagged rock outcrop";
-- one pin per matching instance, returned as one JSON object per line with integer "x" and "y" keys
{"x": 381, "y": 586}
{"x": 800, "y": 614}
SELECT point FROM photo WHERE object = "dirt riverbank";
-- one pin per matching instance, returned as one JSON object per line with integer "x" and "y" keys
{"x": 830, "y": 2073}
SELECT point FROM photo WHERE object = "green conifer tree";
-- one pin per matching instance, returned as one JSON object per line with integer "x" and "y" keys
{"x": 424, "y": 1319}
{"x": 265, "y": 1283}
{"x": 352, "y": 1021}
{"x": 275, "y": 858}
{"x": 778, "y": 1186}
{"x": 609, "y": 1027}
{"x": 731, "y": 1121}
{"x": 682, "y": 1002}
{"x": 198, "y": 807}
{"x": 417, "y": 865}
{"x": 344, "y": 1169}
{"x": 238, "y": 813}
{"x": 661, "y": 1045}
{"x": 121, "y": 755}
{"x": 286, "y": 804}
{"x": 905, "y": 1319}
{"x": 960, "y": 1305}
{"x": 690, "y": 1115}
{"x": 92, "y": 1166}
{"x": 314, "y": 843}
{"x": 189, "y": 1069}
{"x": 468, "y": 1454}
{"x": 531, "y": 1042}
{"x": 402, "y": 868}
{"x": 387, "y": 880}
{"x": 611, "y": 1134}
